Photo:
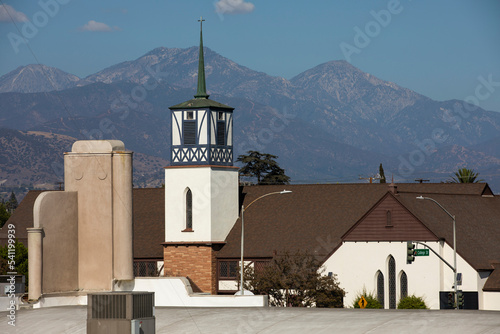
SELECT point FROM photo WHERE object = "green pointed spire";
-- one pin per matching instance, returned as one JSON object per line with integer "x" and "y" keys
{"x": 201, "y": 92}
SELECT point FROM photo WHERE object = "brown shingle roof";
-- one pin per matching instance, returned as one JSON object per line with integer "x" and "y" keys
{"x": 312, "y": 218}
{"x": 493, "y": 281}
{"x": 446, "y": 188}
{"x": 22, "y": 218}
{"x": 477, "y": 224}
{"x": 315, "y": 217}
{"x": 149, "y": 222}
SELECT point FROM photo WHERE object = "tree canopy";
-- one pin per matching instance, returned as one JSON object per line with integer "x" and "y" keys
{"x": 263, "y": 167}
{"x": 465, "y": 175}
{"x": 11, "y": 204}
{"x": 295, "y": 279}
{"x": 4, "y": 214}
{"x": 20, "y": 259}
{"x": 381, "y": 173}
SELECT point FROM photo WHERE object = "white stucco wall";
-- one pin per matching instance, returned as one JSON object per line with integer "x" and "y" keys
{"x": 491, "y": 301}
{"x": 215, "y": 202}
{"x": 176, "y": 292}
{"x": 176, "y": 127}
{"x": 357, "y": 263}
{"x": 225, "y": 201}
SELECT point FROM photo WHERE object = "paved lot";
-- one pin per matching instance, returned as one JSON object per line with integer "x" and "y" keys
{"x": 72, "y": 319}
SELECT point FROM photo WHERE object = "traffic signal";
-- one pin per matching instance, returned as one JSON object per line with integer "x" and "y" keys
{"x": 460, "y": 299}
{"x": 410, "y": 250}
{"x": 451, "y": 299}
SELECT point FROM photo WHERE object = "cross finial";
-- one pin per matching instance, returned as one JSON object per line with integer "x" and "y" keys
{"x": 201, "y": 22}
{"x": 202, "y": 90}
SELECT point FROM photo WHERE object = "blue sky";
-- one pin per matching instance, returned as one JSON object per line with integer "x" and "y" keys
{"x": 440, "y": 49}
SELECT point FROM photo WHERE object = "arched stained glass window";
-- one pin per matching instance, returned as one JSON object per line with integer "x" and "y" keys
{"x": 403, "y": 285}
{"x": 380, "y": 288}
{"x": 392, "y": 282}
{"x": 189, "y": 210}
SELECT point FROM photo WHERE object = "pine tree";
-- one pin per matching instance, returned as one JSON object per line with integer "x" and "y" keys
{"x": 12, "y": 204}
{"x": 381, "y": 173}
{"x": 264, "y": 167}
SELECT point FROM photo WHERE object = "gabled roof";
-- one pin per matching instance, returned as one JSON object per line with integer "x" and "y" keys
{"x": 22, "y": 218}
{"x": 314, "y": 218}
{"x": 149, "y": 222}
{"x": 493, "y": 281}
{"x": 389, "y": 220}
{"x": 477, "y": 223}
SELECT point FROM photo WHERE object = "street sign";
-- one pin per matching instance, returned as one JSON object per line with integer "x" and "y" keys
{"x": 362, "y": 302}
{"x": 421, "y": 252}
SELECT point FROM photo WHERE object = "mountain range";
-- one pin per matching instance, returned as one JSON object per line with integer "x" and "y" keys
{"x": 331, "y": 123}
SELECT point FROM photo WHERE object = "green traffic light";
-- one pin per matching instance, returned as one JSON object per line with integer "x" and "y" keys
{"x": 460, "y": 298}
{"x": 410, "y": 251}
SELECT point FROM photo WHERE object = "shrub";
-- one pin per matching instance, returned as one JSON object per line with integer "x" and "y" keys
{"x": 371, "y": 300}
{"x": 294, "y": 280}
{"x": 412, "y": 302}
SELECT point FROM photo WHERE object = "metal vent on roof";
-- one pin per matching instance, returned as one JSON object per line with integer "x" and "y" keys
{"x": 121, "y": 305}
{"x": 120, "y": 312}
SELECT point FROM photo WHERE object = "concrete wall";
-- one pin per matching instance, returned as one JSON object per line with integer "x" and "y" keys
{"x": 176, "y": 291}
{"x": 357, "y": 263}
{"x": 100, "y": 171}
{"x": 82, "y": 237}
{"x": 56, "y": 213}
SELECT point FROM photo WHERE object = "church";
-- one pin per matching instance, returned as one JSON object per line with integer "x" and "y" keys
{"x": 360, "y": 232}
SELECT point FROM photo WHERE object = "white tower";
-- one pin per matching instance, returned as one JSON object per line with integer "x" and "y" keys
{"x": 201, "y": 185}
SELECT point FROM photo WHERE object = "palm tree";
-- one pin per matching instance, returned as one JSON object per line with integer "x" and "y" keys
{"x": 465, "y": 175}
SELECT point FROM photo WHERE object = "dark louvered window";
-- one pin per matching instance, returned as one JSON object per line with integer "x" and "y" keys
{"x": 221, "y": 133}
{"x": 380, "y": 288}
{"x": 404, "y": 285}
{"x": 189, "y": 210}
{"x": 189, "y": 132}
{"x": 392, "y": 283}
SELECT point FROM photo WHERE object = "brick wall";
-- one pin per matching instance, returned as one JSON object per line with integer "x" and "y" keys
{"x": 198, "y": 262}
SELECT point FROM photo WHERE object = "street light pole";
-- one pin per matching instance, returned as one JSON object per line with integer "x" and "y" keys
{"x": 242, "y": 238}
{"x": 454, "y": 246}
{"x": 243, "y": 229}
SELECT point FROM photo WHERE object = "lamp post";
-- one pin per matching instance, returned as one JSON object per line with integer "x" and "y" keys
{"x": 454, "y": 246}
{"x": 243, "y": 229}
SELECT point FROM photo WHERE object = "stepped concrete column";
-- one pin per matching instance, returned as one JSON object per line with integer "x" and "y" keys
{"x": 123, "y": 256}
{"x": 35, "y": 268}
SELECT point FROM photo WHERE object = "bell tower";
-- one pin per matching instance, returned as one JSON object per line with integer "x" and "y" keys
{"x": 201, "y": 185}
{"x": 202, "y": 129}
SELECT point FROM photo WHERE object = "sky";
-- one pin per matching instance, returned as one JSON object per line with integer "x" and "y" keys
{"x": 443, "y": 49}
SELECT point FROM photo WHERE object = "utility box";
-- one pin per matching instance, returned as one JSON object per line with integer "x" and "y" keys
{"x": 121, "y": 312}
{"x": 8, "y": 285}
